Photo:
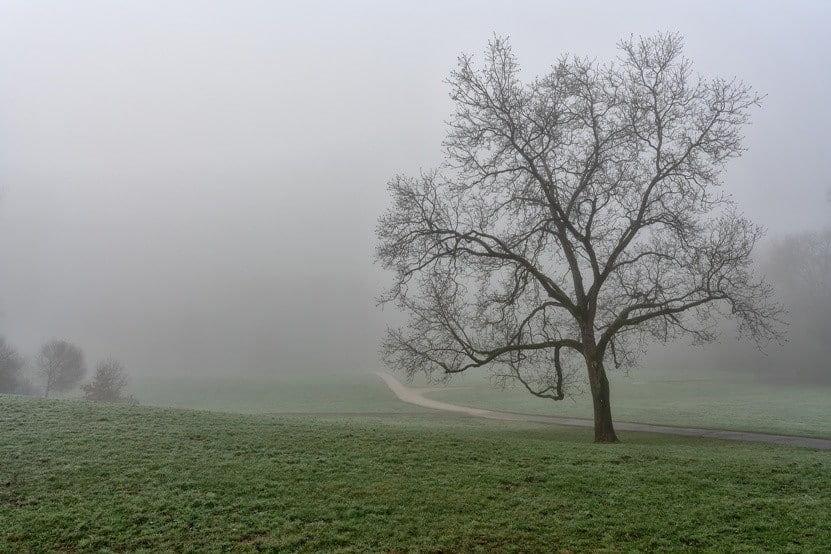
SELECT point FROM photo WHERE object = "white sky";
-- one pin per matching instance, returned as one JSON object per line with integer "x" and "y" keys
{"x": 193, "y": 185}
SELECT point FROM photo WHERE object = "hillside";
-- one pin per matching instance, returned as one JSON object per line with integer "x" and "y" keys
{"x": 81, "y": 477}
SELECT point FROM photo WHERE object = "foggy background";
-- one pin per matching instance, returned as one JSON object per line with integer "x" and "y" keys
{"x": 192, "y": 186}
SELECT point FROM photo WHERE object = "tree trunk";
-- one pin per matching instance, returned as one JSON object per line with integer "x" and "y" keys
{"x": 604, "y": 430}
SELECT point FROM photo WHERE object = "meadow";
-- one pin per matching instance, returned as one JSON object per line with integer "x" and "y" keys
{"x": 341, "y": 392}
{"x": 708, "y": 399}
{"x": 82, "y": 477}
{"x": 694, "y": 399}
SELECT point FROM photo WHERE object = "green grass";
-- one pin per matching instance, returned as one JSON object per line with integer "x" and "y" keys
{"x": 79, "y": 477}
{"x": 711, "y": 400}
{"x": 701, "y": 399}
{"x": 282, "y": 393}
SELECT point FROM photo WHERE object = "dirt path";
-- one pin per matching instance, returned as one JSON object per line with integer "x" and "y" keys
{"x": 416, "y": 396}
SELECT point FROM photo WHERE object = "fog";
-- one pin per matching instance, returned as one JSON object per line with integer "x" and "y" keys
{"x": 192, "y": 187}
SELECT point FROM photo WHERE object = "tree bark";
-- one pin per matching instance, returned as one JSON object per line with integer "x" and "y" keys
{"x": 604, "y": 430}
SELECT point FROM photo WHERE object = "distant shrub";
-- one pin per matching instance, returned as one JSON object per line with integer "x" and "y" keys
{"x": 108, "y": 383}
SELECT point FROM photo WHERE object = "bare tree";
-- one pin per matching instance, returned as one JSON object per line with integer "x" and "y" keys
{"x": 61, "y": 364}
{"x": 108, "y": 383}
{"x": 11, "y": 365}
{"x": 577, "y": 217}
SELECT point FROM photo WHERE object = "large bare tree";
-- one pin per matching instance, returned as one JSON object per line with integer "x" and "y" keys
{"x": 577, "y": 217}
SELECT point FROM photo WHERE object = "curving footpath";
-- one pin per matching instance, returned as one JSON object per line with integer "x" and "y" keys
{"x": 416, "y": 396}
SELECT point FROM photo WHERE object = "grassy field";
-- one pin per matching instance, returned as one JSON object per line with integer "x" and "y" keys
{"x": 711, "y": 400}
{"x": 701, "y": 399}
{"x": 283, "y": 393}
{"x": 79, "y": 477}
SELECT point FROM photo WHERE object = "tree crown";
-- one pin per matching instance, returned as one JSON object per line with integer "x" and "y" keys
{"x": 580, "y": 214}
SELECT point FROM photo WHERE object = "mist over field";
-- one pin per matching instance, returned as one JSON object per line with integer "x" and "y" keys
{"x": 193, "y": 187}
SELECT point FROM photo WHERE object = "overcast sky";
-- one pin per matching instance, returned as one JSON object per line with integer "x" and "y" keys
{"x": 192, "y": 186}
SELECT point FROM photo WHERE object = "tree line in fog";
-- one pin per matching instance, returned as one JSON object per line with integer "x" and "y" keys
{"x": 59, "y": 366}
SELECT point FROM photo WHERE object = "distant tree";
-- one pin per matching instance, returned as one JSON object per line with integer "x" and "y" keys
{"x": 108, "y": 383}
{"x": 578, "y": 216}
{"x": 11, "y": 366}
{"x": 61, "y": 365}
{"x": 800, "y": 265}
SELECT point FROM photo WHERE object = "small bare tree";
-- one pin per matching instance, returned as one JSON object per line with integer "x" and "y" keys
{"x": 108, "y": 383}
{"x": 61, "y": 364}
{"x": 11, "y": 365}
{"x": 577, "y": 217}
